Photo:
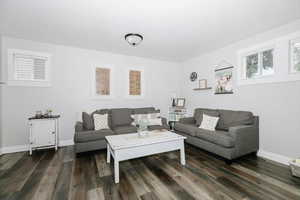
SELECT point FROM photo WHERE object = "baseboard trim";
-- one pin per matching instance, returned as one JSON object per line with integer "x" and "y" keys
{"x": 63, "y": 143}
{"x": 21, "y": 148}
{"x": 14, "y": 149}
{"x": 274, "y": 157}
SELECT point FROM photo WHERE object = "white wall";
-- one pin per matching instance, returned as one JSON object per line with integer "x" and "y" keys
{"x": 71, "y": 84}
{"x": 277, "y": 104}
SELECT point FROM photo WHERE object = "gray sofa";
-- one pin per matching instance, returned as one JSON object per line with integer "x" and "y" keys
{"x": 237, "y": 132}
{"x": 119, "y": 121}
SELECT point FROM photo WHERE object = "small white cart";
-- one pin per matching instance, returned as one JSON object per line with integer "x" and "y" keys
{"x": 43, "y": 132}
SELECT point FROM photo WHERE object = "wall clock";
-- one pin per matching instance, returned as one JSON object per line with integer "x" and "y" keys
{"x": 193, "y": 76}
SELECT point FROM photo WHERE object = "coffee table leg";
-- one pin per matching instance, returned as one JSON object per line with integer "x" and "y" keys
{"x": 108, "y": 154}
{"x": 182, "y": 154}
{"x": 116, "y": 163}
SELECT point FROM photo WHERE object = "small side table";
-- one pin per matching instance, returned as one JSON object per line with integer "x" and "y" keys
{"x": 175, "y": 114}
{"x": 43, "y": 132}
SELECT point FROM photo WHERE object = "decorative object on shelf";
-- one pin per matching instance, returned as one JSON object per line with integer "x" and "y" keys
{"x": 43, "y": 132}
{"x": 134, "y": 39}
{"x": 173, "y": 98}
{"x": 224, "y": 80}
{"x": 203, "y": 83}
{"x": 180, "y": 102}
{"x": 48, "y": 113}
{"x": 38, "y": 114}
{"x": 193, "y": 76}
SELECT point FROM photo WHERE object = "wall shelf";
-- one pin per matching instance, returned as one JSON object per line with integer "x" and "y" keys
{"x": 208, "y": 88}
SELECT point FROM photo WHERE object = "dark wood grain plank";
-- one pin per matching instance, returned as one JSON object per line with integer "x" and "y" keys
{"x": 62, "y": 175}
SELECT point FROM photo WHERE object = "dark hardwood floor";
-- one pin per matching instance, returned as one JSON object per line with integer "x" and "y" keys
{"x": 61, "y": 175}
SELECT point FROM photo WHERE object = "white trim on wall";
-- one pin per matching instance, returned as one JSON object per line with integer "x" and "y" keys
{"x": 25, "y": 147}
{"x": 274, "y": 157}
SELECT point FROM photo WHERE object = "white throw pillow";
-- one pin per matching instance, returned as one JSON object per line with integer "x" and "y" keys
{"x": 101, "y": 121}
{"x": 209, "y": 122}
{"x": 154, "y": 115}
{"x": 156, "y": 121}
{"x": 137, "y": 117}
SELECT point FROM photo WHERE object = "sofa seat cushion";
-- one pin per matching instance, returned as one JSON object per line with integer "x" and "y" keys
{"x": 229, "y": 118}
{"x": 87, "y": 136}
{"x": 217, "y": 137}
{"x": 125, "y": 129}
{"x": 189, "y": 129}
{"x": 158, "y": 127}
{"x": 121, "y": 116}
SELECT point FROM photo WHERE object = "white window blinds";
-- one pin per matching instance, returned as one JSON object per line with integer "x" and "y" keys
{"x": 29, "y": 67}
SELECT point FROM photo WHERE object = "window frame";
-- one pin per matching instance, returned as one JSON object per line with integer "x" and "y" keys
{"x": 143, "y": 83}
{"x": 260, "y": 64}
{"x": 291, "y": 67}
{"x": 11, "y": 70}
{"x": 242, "y": 71}
{"x": 96, "y": 96}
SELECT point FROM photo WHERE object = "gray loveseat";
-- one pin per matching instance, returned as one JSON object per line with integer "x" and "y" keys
{"x": 119, "y": 121}
{"x": 237, "y": 132}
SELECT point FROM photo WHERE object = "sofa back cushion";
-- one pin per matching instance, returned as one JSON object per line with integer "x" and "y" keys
{"x": 121, "y": 116}
{"x": 229, "y": 118}
{"x": 198, "y": 114}
{"x": 145, "y": 110}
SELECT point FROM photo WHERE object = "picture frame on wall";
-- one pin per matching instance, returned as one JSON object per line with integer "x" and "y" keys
{"x": 203, "y": 83}
{"x": 223, "y": 80}
{"x": 180, "y": 102}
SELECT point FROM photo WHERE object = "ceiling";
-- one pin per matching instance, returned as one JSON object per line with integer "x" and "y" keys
{"x": 173, "y": 30}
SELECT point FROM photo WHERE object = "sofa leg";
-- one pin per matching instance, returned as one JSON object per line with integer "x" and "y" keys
{"x": 228, "y": 162}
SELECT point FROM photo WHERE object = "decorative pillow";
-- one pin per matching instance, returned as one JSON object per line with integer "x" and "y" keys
{"x": 200, "y": 112}
{"x": 156, "y": 121}
{"x": 154, "y": 115}
{"x": 137, "y": 117}
{"x": 101, "y": 121}
{"x": 209, "y": 122}
{"x": 87, "y": 121}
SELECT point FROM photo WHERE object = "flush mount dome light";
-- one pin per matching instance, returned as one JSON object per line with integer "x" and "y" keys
{"x": 133, "y": 38}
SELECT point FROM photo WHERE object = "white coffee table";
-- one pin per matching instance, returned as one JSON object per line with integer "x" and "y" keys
{"x": 129, "y": 146}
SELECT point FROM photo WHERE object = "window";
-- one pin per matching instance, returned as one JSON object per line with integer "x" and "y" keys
{"x": 134, "y": 82}
{"x": 259, "y": 64}
{"x": 102, "y": 81}
{"x": 295, "y": 55}
{"x": 28, "y": 68}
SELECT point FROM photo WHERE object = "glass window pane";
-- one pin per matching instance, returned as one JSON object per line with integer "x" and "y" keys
{"x": 252, "y": 66}
{"x": 295, "y": 57}
{"x": 267, "y": 62}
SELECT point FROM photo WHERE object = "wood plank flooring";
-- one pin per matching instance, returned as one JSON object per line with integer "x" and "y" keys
{"x": 62, "y": 175}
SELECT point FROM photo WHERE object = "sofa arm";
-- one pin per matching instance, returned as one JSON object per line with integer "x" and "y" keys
{"x": 164, "y": 121}
{"x": 246, "y": 139}
{"x": 187, "y": 120}
{"x": 79, "y": 127}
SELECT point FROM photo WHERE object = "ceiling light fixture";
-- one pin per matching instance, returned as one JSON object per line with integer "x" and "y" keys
{"x": 133, "y": 39}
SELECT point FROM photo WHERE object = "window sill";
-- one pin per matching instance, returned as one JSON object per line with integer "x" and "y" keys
{"x": 270, "y": 79}
{"x": 29, "y": 83}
